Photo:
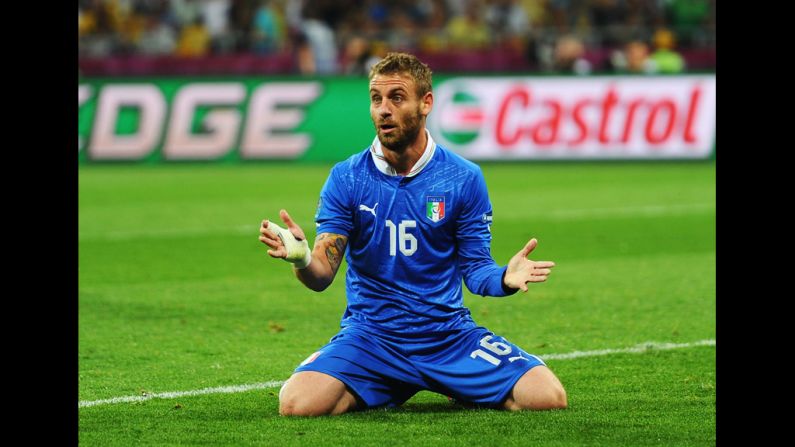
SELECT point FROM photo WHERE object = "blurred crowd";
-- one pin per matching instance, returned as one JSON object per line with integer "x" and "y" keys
{"x": 348, "y": 36}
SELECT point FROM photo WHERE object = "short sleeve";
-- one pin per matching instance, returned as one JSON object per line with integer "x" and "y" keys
{"x": 334, "y": 213}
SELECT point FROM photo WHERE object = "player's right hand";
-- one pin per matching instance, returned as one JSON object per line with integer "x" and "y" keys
{"x": 289, "y": 244}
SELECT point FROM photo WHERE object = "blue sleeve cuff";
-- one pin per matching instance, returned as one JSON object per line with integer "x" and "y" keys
{"x": 331, "y": 229}
{"x": 505, "y": 289}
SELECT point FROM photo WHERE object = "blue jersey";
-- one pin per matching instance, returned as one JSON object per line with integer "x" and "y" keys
{"x": 411, "y": 240}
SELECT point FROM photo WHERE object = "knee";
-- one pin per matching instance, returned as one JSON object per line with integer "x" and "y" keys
{"x": 557, "y": 399}
{"x": 539, "y": 389}
{"x": 295, "y": 405}
{"x": 553, "y": 398}
{"x": 292, "y": 403}
{"x": 314, "y": 394}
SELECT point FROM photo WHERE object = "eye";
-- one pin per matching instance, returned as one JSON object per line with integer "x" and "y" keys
{"x": 397, "y": 98}
{"x": 375, "y": 99}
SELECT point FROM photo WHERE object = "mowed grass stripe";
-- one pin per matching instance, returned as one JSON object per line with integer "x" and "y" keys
{"x": 659, "y": 210}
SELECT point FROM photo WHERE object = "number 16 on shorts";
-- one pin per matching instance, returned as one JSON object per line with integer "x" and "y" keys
{"x": 493, "y": 349}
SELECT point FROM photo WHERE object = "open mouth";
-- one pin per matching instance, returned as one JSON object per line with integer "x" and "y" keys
{"x": 386, "y": 128}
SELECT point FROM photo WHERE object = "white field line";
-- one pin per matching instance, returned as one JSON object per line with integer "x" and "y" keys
{"x": 173, "y": 394}
{"x": 637, "y": 349}
{"x": 555, "y": 215}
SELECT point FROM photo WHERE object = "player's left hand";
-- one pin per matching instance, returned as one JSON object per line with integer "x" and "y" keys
{"x": 522, "y": 270}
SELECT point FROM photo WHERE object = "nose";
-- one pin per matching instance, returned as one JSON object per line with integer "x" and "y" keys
{"x": 383, "y": 109}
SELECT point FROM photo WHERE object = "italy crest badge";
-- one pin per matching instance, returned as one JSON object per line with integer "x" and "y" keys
{"x": 434, "y": 208}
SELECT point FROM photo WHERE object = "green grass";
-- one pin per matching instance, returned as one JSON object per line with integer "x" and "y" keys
{"x": 177, "y": 294}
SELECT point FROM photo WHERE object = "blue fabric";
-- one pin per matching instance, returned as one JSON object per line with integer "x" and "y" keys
{"x": 471, "y": 365}
{"x": 406, "y": 265}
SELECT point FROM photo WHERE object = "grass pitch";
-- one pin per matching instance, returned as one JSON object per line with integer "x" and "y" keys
{"x": 177, "y": 294}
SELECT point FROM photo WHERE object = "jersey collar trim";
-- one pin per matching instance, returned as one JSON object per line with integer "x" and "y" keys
{"x": 377, "y": 154}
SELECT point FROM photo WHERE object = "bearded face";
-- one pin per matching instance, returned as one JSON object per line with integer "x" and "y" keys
{"x": 396, "y": 111}
{"x": 398, "y": 132}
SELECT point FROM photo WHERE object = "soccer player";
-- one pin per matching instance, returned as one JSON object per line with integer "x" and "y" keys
{"x": 412, "y": 219}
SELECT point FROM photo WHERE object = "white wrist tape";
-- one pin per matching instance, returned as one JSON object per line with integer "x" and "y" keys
{"x": 298, "y": 252}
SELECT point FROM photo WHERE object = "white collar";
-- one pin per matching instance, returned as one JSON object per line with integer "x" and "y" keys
{"x": 377, "y": 153}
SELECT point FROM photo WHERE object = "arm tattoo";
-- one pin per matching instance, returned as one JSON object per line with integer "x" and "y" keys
{"x": 334, "y": 247}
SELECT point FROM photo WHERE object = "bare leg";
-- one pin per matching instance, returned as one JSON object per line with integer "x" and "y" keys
{"x": 537, "y": 389}
{"x": 310, "y": 393}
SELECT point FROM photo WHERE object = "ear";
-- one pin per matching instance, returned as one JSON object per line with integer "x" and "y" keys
{"x": 426, "y": 103}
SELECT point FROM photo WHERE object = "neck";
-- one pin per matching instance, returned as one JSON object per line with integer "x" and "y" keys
{"x": 403, "y": 162}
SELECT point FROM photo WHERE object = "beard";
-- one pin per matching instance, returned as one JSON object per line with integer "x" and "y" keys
{"x": 402, "y": 136}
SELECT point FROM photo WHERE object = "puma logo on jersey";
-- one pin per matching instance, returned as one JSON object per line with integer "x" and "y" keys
{"x": 368, "y": 209}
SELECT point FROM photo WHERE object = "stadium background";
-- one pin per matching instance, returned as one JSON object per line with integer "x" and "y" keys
{"x": 261, "y": 97}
